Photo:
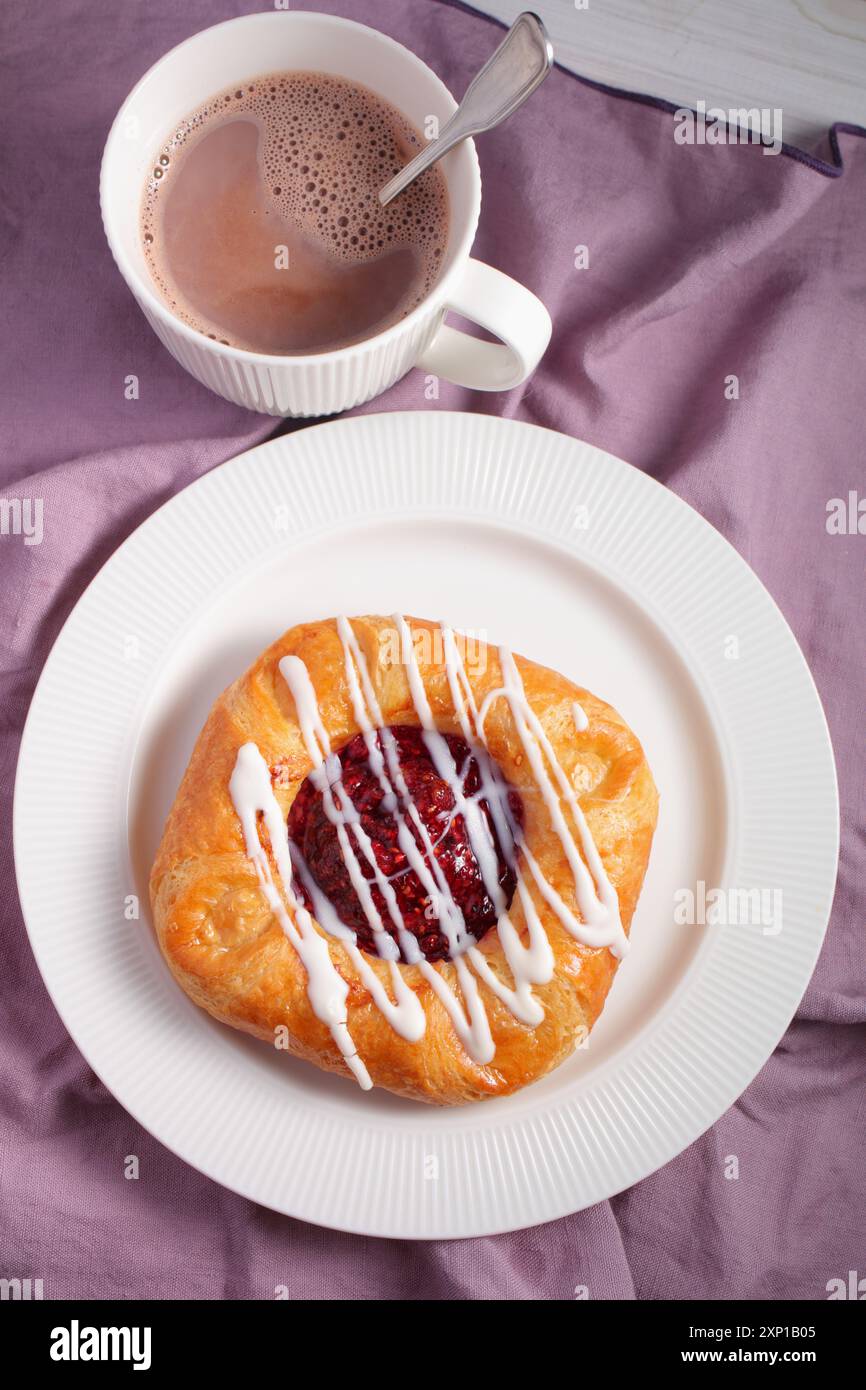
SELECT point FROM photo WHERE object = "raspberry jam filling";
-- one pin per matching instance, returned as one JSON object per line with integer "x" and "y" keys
{"x": 315, "y": 836}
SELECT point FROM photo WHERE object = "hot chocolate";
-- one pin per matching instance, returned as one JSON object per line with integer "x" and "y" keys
{"x": 261, "y": 223}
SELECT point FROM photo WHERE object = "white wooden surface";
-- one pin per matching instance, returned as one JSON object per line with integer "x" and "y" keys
{"x": 806, "y": 56}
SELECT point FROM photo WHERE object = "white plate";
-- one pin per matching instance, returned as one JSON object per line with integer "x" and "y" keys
{"x": 571, "y": 557}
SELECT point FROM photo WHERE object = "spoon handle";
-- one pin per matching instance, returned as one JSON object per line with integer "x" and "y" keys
{"x": 510, "y": 75}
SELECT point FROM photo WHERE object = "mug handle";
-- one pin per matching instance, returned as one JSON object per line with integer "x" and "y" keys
{"x": 506, "y": 309}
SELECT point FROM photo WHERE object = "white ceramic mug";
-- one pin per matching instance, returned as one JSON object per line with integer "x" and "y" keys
{"x": 320, "y": 383}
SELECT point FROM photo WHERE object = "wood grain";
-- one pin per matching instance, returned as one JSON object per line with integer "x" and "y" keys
{"x": 807, "y": 57}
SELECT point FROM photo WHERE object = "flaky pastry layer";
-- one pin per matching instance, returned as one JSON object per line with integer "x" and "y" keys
{"x": 229, "y": 953}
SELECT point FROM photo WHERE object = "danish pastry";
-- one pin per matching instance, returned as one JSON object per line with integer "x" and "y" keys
{"x": 406, "y": 855}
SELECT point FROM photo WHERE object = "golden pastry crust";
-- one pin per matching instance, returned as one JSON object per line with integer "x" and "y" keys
{"x": 230, "y": 955}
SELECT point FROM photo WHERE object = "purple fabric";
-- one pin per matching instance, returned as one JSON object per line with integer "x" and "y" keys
{"x": 703, "y": 263}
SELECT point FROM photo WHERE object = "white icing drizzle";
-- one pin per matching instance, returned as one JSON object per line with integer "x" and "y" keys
{"x": 386, "y": 766}
{"x": 339, "y": 810}
{"x": 596, "y": 898}
{"x": 598, "y": 923}
{"x": 477, "y": 828}
{"x": 531, "y": 964}
{"x": 251, "y": 791}
{"x": 472, "y": 1026}
{"x": 407, "y": 1016}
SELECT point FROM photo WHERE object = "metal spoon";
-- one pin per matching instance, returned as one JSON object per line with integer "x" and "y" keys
{"x": 519, "y": 65}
